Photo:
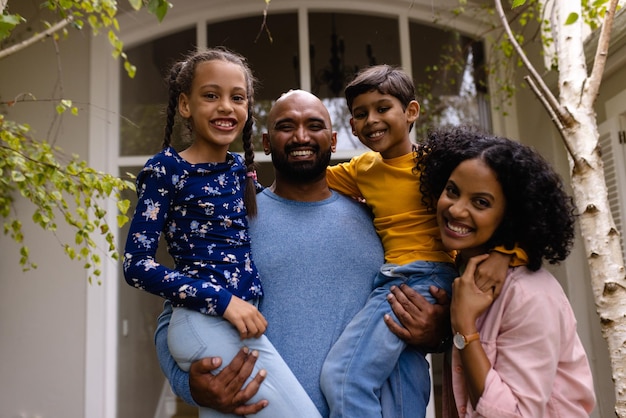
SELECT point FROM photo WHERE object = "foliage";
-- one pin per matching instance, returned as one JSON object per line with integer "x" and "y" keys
{"x": 60, "y": 186}
{"x": 32, "y": 168}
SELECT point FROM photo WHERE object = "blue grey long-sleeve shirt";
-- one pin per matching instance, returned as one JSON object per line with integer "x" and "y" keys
{"x": 317, "y": 261}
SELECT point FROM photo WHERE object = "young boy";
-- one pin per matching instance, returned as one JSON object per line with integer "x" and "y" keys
{"x": 382, "y": 103}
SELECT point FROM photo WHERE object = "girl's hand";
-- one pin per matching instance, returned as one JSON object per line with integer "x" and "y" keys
{"x": 246, "y": 318}
{"x": 468, "y": 301}
{"x": 490, "y": 274}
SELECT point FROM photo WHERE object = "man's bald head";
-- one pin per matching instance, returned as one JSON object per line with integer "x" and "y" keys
{"x": 298, "y": 100}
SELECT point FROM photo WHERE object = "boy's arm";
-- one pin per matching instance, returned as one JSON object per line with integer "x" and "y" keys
{"x": 342, "y": 178}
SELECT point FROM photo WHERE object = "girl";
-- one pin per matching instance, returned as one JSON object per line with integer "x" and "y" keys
{"x": 517, "y": 355}
{"x": 197, "y": 199}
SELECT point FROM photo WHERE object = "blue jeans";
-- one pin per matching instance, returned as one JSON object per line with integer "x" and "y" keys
{"x": 192, "y": 336}
{"x": 367, "y": 353}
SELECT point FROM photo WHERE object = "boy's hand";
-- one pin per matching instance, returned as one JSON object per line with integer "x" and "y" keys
{"x": 490, "y": 274}
{"x": 246, "y": 318}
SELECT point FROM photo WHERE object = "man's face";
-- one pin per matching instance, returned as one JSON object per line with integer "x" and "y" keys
{"x": 300, "y": 136}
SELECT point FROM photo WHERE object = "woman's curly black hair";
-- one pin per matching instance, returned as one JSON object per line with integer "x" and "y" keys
{"x": 539, "y": 215}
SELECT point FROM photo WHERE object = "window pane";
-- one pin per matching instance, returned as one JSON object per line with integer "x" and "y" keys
{"x": 143, "y": 98}
{"x": 450, "y": 87}
{"x": 273, "y": 62}
{"x": 341, "y": 44}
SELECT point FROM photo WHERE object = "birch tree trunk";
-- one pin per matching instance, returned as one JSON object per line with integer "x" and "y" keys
{"x": 575, "y": 118}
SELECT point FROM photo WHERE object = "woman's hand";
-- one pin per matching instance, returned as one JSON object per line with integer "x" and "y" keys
{"x": 468, "y": 301}
{"x": 246, "y": 318}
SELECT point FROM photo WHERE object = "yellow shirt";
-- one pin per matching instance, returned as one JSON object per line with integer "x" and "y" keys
{"x": 408, "y": 231}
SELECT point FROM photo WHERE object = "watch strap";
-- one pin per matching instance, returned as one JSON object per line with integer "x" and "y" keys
{"x": 471, "y": 337}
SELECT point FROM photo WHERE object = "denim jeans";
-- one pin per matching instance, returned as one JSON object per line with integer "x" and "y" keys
{"x": 193, "y": 335}
{"x": 367, "y": 353}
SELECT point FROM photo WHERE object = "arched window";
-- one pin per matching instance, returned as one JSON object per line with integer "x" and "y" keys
{"x": 320, "y": 55}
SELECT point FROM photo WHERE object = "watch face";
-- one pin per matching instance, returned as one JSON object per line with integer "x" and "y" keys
{"x": 459, "y": 341}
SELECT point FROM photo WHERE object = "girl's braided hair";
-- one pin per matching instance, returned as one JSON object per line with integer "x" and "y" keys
{"x": 180, "y": 80}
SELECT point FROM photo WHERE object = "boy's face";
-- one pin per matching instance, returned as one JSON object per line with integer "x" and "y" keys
{"x": 381, "y": 124}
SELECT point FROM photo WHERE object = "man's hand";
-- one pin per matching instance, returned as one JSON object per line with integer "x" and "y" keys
{"x": 422, "y": 323}
{"x": 224, "y": 392}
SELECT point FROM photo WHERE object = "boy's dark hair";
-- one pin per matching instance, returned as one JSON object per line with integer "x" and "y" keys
{"x": 384, "y": 78}
{"x": 180, "y": 80}
{"x": 539, "y": 215}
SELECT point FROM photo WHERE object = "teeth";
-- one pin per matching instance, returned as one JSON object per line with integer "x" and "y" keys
{"x": 224, "y": 123}
{"x": 376, "y": 134}
{"x": 458, "y": 229}
{"x": 301, "y": 153}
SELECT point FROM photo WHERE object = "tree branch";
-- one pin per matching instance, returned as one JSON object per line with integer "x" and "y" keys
{"x": 550, "y": 100}
{"x": 602, "y": 52}
{"x": 553, "y": 116}
{"x": 35, "y": 38}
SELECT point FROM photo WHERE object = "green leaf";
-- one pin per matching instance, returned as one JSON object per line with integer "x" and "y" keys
{"x": 518, "y": 3}
{"x": 572, "y": 18}
{"x": 122, "y": 220}
{"x": 17, "y": 176}
{"x": 136, "y": 4}
{"x": 159, "y": 8}
{"x": 8, "y": 23}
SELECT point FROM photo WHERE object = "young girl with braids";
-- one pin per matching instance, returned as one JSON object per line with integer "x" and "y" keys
{"x": 199, "y": 199}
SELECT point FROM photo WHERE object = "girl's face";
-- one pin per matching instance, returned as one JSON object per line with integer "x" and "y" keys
{"x": 217, "y": 106}
{"x": 470, "y": 208}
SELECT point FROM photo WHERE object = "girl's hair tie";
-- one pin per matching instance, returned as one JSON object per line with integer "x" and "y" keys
{"x": 252, "y": 174}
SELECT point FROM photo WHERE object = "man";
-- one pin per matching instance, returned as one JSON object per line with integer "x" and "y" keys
{"x": 317, "y": 254}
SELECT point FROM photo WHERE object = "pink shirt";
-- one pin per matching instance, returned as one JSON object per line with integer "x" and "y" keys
{"x": 539, "y": 366}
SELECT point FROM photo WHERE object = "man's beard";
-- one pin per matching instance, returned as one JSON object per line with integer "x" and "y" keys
{"x": 301, "y": 171}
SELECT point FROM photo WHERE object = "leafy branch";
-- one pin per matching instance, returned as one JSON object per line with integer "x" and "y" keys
{"x": 63, "y": 188}
{"x": 71, "y": 191}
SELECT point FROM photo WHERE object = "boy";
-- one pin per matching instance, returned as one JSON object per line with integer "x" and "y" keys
{"x": 382, "y": 103}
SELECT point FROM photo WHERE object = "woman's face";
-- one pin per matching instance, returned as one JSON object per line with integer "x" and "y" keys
{"x": 470, "y": 208}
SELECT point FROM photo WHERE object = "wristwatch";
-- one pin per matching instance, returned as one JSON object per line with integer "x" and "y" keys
{"x": 461, "y": 341}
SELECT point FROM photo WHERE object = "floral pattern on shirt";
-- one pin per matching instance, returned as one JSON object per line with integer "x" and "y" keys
{"x": 199, "y": 210}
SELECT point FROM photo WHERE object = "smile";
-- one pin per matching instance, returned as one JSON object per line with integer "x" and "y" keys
{"x": 224, "y": 123}
{"x": 376, "y": 134}
{"x": 461, "y": 230}
{"x": 301, "y": 153}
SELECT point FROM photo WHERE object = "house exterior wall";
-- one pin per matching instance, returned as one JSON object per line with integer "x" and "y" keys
{"x": 59, "y": 335}
{"x": 42, "y": 312}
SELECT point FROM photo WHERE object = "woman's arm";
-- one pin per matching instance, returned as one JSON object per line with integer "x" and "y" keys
{"x": 468, "y": 303}
{"x": 524, "y": 331}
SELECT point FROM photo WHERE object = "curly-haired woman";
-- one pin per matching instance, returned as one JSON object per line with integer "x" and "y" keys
{"x": 516, "y": 354}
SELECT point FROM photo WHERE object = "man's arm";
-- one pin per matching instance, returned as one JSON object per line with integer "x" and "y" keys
{"x": 223, "y": 392}
{"x": 421, "y": 323}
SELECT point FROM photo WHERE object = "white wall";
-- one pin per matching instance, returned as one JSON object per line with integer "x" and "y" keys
{"x": 42, "y": 312}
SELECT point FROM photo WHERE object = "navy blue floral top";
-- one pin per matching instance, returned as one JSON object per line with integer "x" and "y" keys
{"x": 200, "y": 209}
